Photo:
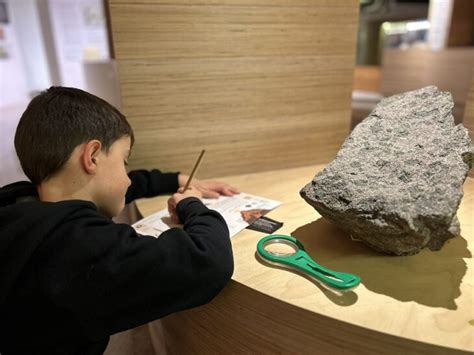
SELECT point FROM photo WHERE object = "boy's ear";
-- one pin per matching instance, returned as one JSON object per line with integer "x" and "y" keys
{"x": 90, "y": 156}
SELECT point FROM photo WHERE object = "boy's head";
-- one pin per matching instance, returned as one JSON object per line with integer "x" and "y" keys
{"x": 74, "y": 145}
{"x": 57, "y": 121}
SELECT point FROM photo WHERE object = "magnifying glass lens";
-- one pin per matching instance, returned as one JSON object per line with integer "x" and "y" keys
{"x": 281, "y": 248}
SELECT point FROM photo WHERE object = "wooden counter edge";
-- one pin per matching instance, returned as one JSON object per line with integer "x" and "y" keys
{"x": 243, "y": 320}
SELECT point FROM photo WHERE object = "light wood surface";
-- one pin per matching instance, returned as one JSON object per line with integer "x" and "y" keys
{"x": 413, "y": 304}
{"x": 469, "y": 112}
{"x": 449, "y": 70}
{"x": 260, "y": 85}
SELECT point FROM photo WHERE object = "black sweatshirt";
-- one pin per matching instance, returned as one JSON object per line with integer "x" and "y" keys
{"x": 70, "y": 277}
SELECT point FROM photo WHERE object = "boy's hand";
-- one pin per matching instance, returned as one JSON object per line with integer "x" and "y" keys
{"x": 209, "y": 188}
{"x": 212, "y": 189}
{"x": 177, "y": 197}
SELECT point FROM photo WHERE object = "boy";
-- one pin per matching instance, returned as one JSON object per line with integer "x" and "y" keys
{"x": 69, "y": 276}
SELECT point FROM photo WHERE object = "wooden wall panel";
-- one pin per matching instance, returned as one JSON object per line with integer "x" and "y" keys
{"x": 469, "y": 115}
{"x": 461, "y": 30}
{"x": 260, "y": 84}
{"x": 469, "y": 112}
{"x": 449, "y": 70}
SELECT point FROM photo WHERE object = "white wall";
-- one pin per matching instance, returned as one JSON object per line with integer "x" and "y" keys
{"x": 80, "y": 35}
{"x": 440, "y": 21}
{"x": 13, "y": 87}
{"x": 28, "y": 32}
{"x": 75, "y": 33}
{"x": 10, "y": 169}
{"x": 13, "y": 99}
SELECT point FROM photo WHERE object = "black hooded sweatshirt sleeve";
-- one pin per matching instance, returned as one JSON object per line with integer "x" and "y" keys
{"x": 150, "y": 183}
{"x": 71, "y": 277}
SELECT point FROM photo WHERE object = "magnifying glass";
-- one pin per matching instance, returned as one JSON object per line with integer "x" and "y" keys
{"x": 284, "y": 250}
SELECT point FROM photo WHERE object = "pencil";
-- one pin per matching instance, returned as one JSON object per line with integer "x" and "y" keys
{"x": 196, "y": 166}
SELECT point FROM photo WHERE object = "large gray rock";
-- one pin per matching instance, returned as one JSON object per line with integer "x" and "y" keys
{"x": 396, "y": 183}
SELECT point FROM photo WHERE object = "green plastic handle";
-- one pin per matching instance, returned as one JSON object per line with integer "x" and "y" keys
{"x": 301, "y": 261}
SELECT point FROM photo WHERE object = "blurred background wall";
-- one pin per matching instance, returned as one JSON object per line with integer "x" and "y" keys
{"x": 45, "y": 43}
{"x": 401, "y": 45}
{"x": 407, "y": 44}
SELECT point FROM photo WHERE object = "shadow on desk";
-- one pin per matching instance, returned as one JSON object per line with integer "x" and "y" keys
{"x": 430, "y": 278}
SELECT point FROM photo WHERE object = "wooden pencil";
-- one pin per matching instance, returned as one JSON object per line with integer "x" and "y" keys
{"x": 198, "y": 162}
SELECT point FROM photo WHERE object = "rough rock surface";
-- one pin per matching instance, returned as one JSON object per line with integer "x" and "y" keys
{"x": 397, "y": 181}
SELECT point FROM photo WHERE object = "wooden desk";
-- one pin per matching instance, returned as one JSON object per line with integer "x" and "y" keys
{"x": 414, "y": 304}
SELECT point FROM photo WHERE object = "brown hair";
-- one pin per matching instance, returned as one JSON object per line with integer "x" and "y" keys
{"x": 57, "y": 121}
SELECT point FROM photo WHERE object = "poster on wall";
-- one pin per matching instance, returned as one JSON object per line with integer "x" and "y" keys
{"x": 3, "y": 20}
{"x": 3, "y": 44}
{"x": 13, "y": 86}
{"x": 80, "y": 35}
{"x": 3, "y": 12}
